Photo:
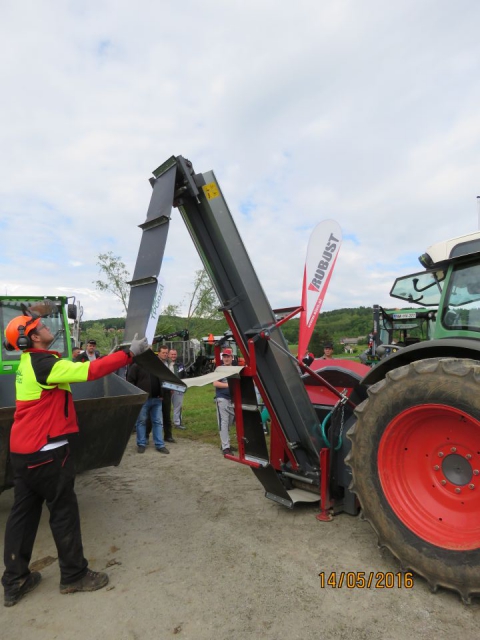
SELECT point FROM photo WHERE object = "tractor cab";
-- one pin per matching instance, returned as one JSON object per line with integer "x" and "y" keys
{"x": 450, "y": 287}
{"x": 395, "y": 329}
{"x": 55, "y": 312}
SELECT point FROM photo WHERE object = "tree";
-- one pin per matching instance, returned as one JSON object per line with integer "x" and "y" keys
{"x": 318, "y": 339}
{"x": 171, "y": 310}
{"x": 170, "y": 320}
{"x": 116, "y": 275}
{"x": 204, "y": 302}
{"x": 105, "y": 338}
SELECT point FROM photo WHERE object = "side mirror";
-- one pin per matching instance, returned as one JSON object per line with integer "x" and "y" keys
{"x": 72, "y": 311}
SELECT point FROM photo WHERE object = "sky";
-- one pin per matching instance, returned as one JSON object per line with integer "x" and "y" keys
{"x": 363, "y": 112}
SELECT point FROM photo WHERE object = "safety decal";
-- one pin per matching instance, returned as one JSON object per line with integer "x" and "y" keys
{"x": 211, "y": 191}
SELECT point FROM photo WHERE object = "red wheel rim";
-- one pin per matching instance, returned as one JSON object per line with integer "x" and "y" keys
{"x": 429, "y": 469}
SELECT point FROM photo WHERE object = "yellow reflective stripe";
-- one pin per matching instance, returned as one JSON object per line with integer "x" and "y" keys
{"x": 65, "y": 371}
{"x": 26, "y": 385}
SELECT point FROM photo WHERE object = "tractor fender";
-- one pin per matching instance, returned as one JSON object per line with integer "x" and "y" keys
{"x": 464, "y": 348}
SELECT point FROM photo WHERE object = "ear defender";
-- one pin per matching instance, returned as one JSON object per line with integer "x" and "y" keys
{"x": 23, "y": 341}
{"x": 17, "y": 333}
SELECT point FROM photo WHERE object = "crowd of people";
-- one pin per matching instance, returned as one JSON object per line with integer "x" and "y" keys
{"x": 162, "y": 412}
{"x": 155, "y": 417}
{"x": 155, "y": 414}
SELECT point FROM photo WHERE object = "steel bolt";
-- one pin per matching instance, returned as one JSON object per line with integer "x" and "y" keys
{"x": 457, "y": 490}
{"x": 440, "y": 454}
{"x": 476, "y": 472}
{"x": 468, "y": 456}
{"x": 471, "y": 486}
{"x": 453, "y": 449}
{"x": 436, "y": 467}
{"x": 444, "y": 482}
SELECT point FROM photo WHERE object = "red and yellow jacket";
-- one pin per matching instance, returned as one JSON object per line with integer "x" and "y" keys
{"x": 44, "y": 403}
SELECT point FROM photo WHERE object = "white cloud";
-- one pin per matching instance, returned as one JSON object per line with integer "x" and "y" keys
{"x": 363, "y": 112}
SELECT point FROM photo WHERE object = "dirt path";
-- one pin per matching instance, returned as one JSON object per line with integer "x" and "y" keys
{"x": 195, "y": 551}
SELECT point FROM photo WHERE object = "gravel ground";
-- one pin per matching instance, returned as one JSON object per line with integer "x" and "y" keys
{"x": 194, "y": 550}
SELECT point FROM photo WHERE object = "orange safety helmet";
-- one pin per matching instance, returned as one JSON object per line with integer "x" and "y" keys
{"x": 17, "y": 333}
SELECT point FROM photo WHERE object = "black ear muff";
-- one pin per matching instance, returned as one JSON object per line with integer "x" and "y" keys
{"x": 23, "y": 341}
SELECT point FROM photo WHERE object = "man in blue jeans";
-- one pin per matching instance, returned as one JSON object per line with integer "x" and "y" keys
{"x": 151, "y": 409}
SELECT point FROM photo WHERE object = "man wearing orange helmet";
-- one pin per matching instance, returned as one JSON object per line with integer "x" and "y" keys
{"x": 40, "y": 457}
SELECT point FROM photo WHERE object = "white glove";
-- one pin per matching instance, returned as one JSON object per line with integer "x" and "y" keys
{"x": 138, "y": 346}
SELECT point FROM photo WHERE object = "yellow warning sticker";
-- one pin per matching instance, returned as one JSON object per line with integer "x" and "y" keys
{"x": 211, "y": 191}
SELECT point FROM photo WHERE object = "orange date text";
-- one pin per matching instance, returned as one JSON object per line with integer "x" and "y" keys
{"x": 366, "y": 580}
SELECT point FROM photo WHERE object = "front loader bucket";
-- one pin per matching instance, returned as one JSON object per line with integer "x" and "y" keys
{"x": 106, "y": 410}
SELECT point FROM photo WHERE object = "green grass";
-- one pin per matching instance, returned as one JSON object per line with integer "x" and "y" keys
{"x": 200, "y": 415}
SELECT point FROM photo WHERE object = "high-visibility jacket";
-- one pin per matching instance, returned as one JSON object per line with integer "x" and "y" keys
{"x": 44, "y": 404}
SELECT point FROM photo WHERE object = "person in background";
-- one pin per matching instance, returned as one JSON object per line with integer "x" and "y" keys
{"x": 225, "y": 408}
{"x": 177, "y": 396}
{"x": 167, "y": 399}
{"x": 90, "y": 353}
{"x": 43, "y": 469}
{"x": 327, "y": 351}
{"x": 76, "y": 351}
{"x": 308, "y": 359}
{"x": 152, "y": 408}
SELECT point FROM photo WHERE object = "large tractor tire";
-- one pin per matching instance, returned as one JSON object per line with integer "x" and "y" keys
{"x": 415, "y": 460}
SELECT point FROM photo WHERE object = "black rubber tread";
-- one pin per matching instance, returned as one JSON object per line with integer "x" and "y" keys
{"x": 449, "y": 381}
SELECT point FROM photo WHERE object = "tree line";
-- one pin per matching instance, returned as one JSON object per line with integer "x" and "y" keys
{"x": 331, "y": 325}
{"x": 203, "y": 315}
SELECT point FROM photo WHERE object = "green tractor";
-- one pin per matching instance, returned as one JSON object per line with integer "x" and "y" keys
{"x": 394, "y": 329}
{"x": 415, "y": 452}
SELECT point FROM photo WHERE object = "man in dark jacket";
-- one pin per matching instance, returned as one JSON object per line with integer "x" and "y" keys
{"x": 151, "y": 409}
{"x": 91, "y": 353}
{"x": 42, "y": 467}
{"x": 167, "y": 399}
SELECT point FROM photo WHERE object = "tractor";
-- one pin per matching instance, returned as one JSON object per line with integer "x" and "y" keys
{"x": 394, "y": 329}
{"x": 415, "y": 452}
{"x": 400, "y": 441}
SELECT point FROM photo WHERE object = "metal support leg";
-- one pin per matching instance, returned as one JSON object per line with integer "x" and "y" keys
{"x": 325, "y": 502}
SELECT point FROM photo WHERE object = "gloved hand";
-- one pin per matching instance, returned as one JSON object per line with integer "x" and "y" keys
{"x": 138, "y": 346}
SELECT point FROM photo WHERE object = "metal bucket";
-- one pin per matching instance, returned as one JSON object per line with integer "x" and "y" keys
{"x": 106, "y": 410}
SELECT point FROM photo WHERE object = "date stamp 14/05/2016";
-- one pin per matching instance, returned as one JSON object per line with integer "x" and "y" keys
{"x": 366, "y": 580}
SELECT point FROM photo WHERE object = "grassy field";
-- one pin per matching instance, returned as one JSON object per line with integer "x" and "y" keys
{"x": 199, "y": 415}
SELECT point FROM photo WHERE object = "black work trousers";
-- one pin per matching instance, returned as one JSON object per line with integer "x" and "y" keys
{"x": 45, "y": 476}
{"x": 166, "y": 411}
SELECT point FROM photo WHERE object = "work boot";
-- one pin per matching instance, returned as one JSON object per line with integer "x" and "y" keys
{"x": 91, "y": 581}
{"x": 162, "y": 450}
{"x": 228, "y": 450}
{"x": 31, "y": 582}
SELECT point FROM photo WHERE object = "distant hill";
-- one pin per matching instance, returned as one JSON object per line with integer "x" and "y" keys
{"x": 331, "y": 325}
